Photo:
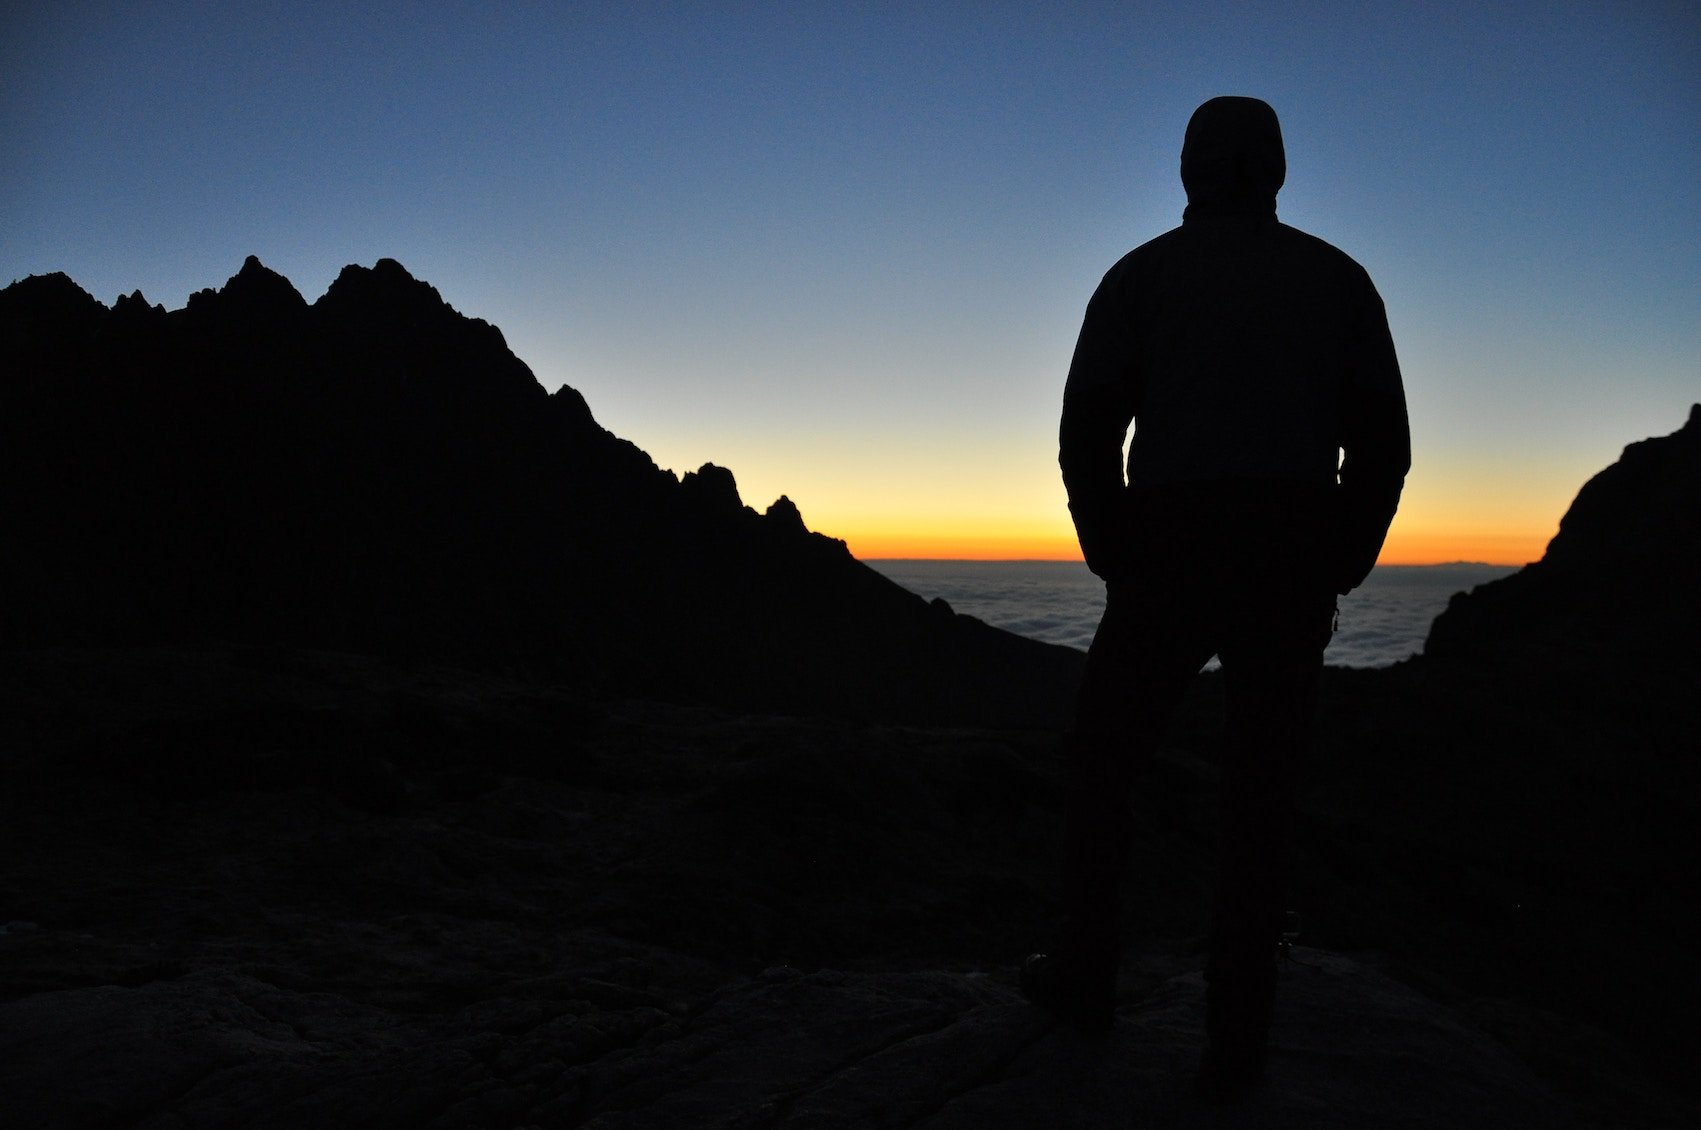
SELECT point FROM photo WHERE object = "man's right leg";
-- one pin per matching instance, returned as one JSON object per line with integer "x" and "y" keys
{"x": 1142, "y": 659}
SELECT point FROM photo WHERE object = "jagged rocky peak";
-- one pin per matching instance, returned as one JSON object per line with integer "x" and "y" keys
{"x": 42, "y": 309}
{"x": 54, "y": 289}
{"x": 571, "y": 408}
{"x": 387, "y": 296}
{"x": 713, "y": 486}
{"x": 258, "y": 285}
{"x": 785, "y": 515}
{"x": 134, "y": 308}
{"x": 396, "y": 323}
{"x": 254, "y": 300}
{"x": 386, "y": 287}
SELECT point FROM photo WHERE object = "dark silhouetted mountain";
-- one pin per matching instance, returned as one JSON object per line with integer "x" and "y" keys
{"x": 1613, "y": 605}
{"x": 374, "y": 472}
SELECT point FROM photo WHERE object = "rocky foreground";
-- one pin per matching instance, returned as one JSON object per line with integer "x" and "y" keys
{"x": 281, "y": 888}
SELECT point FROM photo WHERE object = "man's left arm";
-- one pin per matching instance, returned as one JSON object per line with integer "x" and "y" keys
{"x": 1376, "y": 445}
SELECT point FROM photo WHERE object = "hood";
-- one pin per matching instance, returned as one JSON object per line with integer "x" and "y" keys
{"x": 1232, "y": 161}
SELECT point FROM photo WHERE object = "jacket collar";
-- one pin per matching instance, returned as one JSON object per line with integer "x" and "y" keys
{"x": 1229, "y": 209}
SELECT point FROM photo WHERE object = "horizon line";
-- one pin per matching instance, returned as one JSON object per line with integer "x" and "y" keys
{"x": 1079, "y": 561}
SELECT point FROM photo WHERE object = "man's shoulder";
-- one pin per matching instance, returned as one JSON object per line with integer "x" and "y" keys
{"x": 1153, "y": 248}
{"x": 1174, "y": 236}
{"x": 1321, "y": 250}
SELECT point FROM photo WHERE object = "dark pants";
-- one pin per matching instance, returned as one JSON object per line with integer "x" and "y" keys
{"x": 1235, "y": 570}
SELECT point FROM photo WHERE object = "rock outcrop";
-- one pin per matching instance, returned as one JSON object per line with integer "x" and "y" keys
{"x": 374, "y": 472}
{"x": 1512, "y": 811}
{"x": 1614, "y": 600}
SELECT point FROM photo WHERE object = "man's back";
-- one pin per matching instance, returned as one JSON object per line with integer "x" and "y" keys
{"x": 1241, "y": 348}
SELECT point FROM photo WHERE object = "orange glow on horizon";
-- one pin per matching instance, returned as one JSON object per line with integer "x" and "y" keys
{"x": 1401, "y": 548}
{"x": 1437, "y": 549}
{"x": 963, "y": 547}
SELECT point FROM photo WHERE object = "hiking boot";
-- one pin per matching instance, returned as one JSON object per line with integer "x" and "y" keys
{"x": 1082, "y": 999}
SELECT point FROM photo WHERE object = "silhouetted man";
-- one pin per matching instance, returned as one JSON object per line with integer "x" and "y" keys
{"x": 1270, "y": 447}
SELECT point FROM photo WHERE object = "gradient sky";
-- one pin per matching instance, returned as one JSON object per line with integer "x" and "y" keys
{"x": 844, "y": 249}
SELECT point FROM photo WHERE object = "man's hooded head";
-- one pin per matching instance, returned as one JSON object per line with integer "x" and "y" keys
{"x": 1232, "y": 158}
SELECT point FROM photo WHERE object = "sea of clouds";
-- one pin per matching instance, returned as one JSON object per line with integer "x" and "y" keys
{"x": 1382, "y": 622}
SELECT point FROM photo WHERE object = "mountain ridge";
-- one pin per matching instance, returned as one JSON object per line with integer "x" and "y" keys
{"x": 376, "y": 472}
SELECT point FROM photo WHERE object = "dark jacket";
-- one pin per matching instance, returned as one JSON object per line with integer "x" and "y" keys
{"x": 1241, "y": 349}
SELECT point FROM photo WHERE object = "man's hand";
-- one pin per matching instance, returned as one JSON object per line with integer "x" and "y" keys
{"x": 1106, "y": 536}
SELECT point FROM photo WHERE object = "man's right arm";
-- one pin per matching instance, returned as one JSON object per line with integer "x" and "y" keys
{"x": 1099, "y": 402}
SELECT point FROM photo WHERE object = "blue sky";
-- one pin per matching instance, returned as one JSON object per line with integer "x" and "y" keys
{"x": 844, "y": 249}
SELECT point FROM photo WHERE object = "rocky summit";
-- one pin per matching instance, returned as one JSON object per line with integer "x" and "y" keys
{"x": 383, "y": 743}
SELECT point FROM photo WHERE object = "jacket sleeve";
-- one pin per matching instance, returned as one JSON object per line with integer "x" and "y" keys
{"x": 1376, "y": 446}
{"x": 1100, "y": 398}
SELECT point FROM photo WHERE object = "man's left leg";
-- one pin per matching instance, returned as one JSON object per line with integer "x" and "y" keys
{"x": 1271, "y": 678}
